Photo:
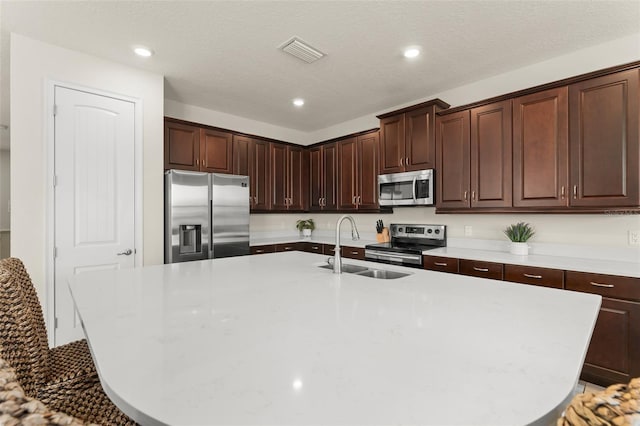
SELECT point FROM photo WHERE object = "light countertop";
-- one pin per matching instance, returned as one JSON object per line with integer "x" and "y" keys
{"x": 274, "y": 339}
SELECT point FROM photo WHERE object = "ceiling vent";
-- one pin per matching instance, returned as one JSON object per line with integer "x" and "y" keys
{"x": 301, "y": 50}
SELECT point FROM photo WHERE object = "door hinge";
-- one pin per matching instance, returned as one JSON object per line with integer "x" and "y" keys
{"x": 55, "y": 252}
{"x": 55, "y": 110}
{"x": 55, "y": 322}
{"x": 55, "y": 180}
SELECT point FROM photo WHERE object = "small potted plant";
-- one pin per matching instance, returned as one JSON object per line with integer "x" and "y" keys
{"x": 306, "y": 226}
{"x": 519, "y": 234}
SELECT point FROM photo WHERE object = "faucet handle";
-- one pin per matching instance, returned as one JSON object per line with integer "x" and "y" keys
{"x": 330, "y": 260}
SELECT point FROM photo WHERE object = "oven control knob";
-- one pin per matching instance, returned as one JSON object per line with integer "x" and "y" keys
{"x": 400, "y": 230}
{"x": 430, "y": 231}
{"x": 437, "y": 231}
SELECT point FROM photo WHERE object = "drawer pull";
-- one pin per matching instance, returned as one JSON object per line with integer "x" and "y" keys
{"x": 259, "y": 251}
{"x": 354, "y": 252}
{"x": 440, "y": 263}
{"x": 601, "y": 285}
{"x": 315, "y": 248}
{"x": 537, "y": 277}
{"x": 481, "y": 269}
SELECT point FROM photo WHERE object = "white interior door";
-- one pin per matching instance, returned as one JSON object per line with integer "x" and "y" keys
{"x": 93, "y": 195}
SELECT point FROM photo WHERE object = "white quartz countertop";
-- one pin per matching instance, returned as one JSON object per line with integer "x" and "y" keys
{"x": 276, "y": 340}
{"x": 596, "y": 266}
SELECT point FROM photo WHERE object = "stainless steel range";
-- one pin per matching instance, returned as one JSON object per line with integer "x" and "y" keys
{"x": 407, "y": 244}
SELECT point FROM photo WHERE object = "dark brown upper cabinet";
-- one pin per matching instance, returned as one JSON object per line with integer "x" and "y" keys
{"x": 251, "y": 158}
{"x": 190, "y": 147}
{"x": 604, "y": 146}
{"x": 216, "y": 149}
{"x": 491, "y": 155}
{"x": 289, "y": 177}
{"x": 358, "y": 171}
{"x": 181, "y": 146}
{"x": 407, "y": 138}
{"x": 540, "y": 149}
{"x": 323, "y": 165}
{"x": 453, "y": 164}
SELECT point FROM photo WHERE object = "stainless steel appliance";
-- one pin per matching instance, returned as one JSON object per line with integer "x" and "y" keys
{"x": 407, "y": 244}
{"x": 206, "y": 216}
{"x": 406, "y": 189}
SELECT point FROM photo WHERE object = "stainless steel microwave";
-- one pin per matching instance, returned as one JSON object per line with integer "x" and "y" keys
{"x": 406, "y": 189}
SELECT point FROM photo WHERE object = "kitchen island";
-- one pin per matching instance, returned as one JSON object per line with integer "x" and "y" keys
{"x": 275, "y": 339}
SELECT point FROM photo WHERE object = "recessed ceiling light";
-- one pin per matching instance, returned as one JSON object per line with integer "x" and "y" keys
{"x": 411, "y": 52}
{"x": 143, "y": 51}
{"x": 298, "y": 102}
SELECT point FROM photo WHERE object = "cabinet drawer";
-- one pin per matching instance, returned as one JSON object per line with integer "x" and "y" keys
{"x": 287, "y": 247}
{"x": 330, "y": 249}
{"x": 442, "y": 264}
{"x": 604, "y": 285}
{"x": 536, "y": 276}
{"x": 312, "y": 247}
{"x": 478, "y": 268}
{"x": 269, "y": 248}
{"x": 352, "y": 252}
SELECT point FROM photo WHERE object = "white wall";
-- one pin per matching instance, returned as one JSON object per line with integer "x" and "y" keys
{"x": 5, "y": 179}
{"x": 223, "y": 120}
{"x": 33, "y": 64}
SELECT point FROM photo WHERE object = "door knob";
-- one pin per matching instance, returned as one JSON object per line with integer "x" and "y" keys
{"x": 127, "y": 252}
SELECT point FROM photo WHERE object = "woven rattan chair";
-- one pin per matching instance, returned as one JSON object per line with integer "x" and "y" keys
{"x": 617, "y": 405}
{"x": 18, "y": 409}
{"x": 64, "y": 378}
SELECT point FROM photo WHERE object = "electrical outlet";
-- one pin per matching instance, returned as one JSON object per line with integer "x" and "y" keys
{"x": 468, "y": 231}
{"x": 634, "y": 238}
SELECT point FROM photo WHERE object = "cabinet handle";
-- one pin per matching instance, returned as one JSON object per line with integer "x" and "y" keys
{"x": 481, "y": 269}
{"x": 465, "y": 195}
{"x": 259, "y": 251}
{"x": 197, "y": 162}
{"x": 255, "y": 200}
{"x": 575, "y": 191}
{"x": 601, "y": 285}
{"x": 537, "y": 277}
{"x": 204, "y": 162}
{"x": 354, "y": 252}
{"x": 440, "y": 263}
{"x": 406, "y": 161}
{"x": 473, "y": 195}
{"x": 401, "y": 160}
{"x": 359, "y": 199}
{"x": 315, "y": 248}
{"x": 324, "y": 202}
{"x": 353, "y": 200}
{"x": 562, "y": 192}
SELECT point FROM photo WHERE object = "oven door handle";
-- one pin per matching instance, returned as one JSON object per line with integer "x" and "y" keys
{"x": 394, "y": 256}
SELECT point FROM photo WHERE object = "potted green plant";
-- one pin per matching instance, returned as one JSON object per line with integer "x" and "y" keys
{"x": 306, "y": 226}
{"x": 519, "y": 234}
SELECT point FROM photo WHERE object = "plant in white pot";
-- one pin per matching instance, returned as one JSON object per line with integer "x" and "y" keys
{"x": 306, "y": 226}
{"x": 519, "y": 234}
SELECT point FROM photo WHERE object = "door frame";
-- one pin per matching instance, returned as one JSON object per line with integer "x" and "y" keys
{"x": 49, "y": 149}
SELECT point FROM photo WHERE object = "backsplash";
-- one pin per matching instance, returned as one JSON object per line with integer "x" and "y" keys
{"x": 593, "y": 230}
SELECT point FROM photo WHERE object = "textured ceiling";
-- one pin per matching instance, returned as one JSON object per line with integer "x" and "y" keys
{"x": 223, "y": 55}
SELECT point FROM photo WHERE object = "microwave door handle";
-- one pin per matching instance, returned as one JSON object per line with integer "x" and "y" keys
{"x": 414, "y": 187}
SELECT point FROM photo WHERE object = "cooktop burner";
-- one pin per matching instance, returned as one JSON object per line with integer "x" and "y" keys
{"x": 407, "y": 244}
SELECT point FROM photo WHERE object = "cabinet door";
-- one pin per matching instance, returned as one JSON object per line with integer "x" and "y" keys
{"x": 533, "y": 275}
{"x": 420, "y": 146}
{"x": 392, "y": 142}
{"x": 367, "y": 171}
{"x": 261, "y": 168}
{"x": 540, "y": 149}
{"x": 614, "y": 351}
{"x": 604, "y": 142}
{"x": 347, "y": 172}
{"x": 279, "y": 173}
{"x": 453, "y": 165}
{"x": 297, "y": 178}
{"x": 442, "y": 264}
{"x": 268, "y": 248}
{"x": 317, "y": 182}
{"x": 181, "y": 146}
{"x": 216, "y": 151}
{"x": 491, "y": 157}
{"x": 242, "y": 162}
{"x": 330, "y": 172}
{"x": 481, "y": 269}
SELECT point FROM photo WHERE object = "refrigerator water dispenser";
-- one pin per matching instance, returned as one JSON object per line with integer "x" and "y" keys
{"x": 190, "y": 239}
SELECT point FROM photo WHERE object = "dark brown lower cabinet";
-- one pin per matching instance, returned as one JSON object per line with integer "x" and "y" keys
{"x": 352, "y": 252}
{"x": 477, "y": 268}
{"x": 267, "y": 248}
{"x": 614, "y": 352}
{"x": 287, "y": 247}
{"x": 442, "y": 264}
{"x": 312, "y": 247}
{"x": 536, "y": 276}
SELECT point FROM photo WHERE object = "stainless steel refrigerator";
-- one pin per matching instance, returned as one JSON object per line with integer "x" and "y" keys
{"x": 206, "y": 216}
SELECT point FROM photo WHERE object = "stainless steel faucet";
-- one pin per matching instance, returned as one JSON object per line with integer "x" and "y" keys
{"x": 337, "y": 259}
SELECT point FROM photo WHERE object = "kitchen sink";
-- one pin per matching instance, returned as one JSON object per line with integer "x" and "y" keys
{"x": 382, "y": 274}
{"x": 363, "y": 271}
{"x": 350, "y": 269}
